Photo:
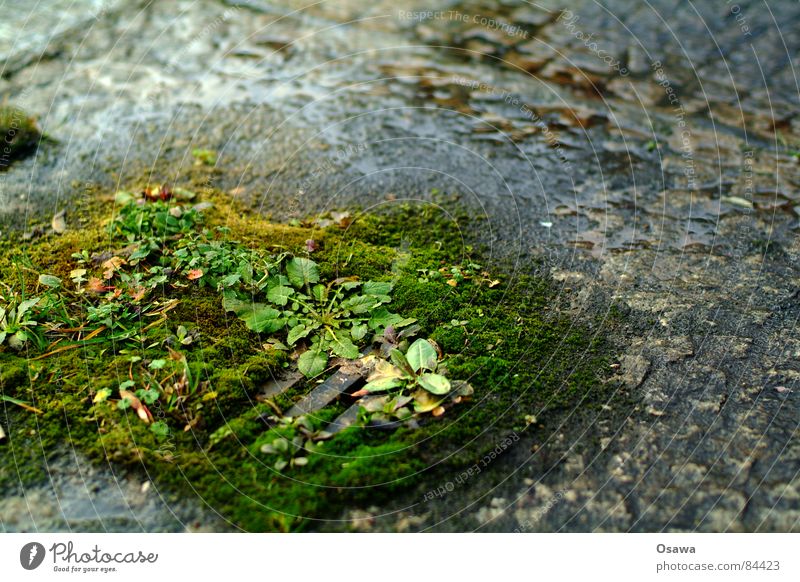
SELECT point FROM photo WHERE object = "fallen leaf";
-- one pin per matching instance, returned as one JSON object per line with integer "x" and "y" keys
{"x": 194, "y": 274}
{"x": 452, "y": 282}
{"x": 111, "y": 265}
{"x": 162, "y": 193}
{"x": 95, "y": 285}
{"x": 59, "y": 223}
{"x": 438, "y": 411}
{"x": 342, "y": 219}
{"x": 737, "y": 201}
{"x": 191, "y": 424}
{"x": 49, "y": 281}
{"x": 141, "y": 410}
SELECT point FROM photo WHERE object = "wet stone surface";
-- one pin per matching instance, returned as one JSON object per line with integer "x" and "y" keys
{"x": 647, "y": 154}
{"x": 82, "y": 497}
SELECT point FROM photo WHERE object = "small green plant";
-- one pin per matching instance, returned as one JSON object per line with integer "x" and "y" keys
{"x": 16, "y": 323}
{"x": 221, "y": 264}
{"x": 417, "y": 375}
{"x": 204, "y": 157}
{"x": 417, "y": 366}
{"x": 118, "y": 300}
{"x": 182, "y": 337}
{"x": 272, "y": 295}
{"x": 457, "y": 274}
{"x": 167, "y": 381}
{"x": 331, "y": 319}
{"x": 150, "y": 222}
{"x": 294, "y": 440}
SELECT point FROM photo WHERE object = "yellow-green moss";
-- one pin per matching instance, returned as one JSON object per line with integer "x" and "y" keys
{"x": 18, "y": 135}
{"x": 506, "y": 339}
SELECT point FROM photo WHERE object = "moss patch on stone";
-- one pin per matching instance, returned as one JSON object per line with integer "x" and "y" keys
{"x": 18, "y": 135}
{"x": 504, "y": 334}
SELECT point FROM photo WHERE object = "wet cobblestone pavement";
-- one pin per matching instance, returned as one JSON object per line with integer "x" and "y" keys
{"x": 647, "y": 155}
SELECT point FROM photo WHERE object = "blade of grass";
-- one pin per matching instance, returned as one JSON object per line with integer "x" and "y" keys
{"x": 24, "y": 405}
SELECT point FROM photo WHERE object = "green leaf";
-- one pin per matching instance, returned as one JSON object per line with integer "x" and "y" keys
{"x": 424, "y": 401}
{"x": 403, "y": 322}
{"x": 382, "y": 384}
{"x": 258, "y": 317}
{"x": 312, "y": 363}
{"x": 342, "y": 346}
{"x": 279, "y": 294}
{"x": 204, "y": 156}
{"x": 280, "y": 445}
{"x": 245, "y": 270}
{"x": 434, "y": 383}
{"x": 50, "y": 281}
{"x": 376, "y": 288}
{"x": 385, "y": 371}
{"x": 148, "y": 396}
{"x": 160, "y": 428}
{"x": 231, "y": 280}
{"x": 302, "y": 271}
{"x": 422, "y": 355}
{"x": 320, "y": 293}
{"x": 399, "y": 360}
{"x": 25, "y": 306}
{"x": 382, "y": 318}
{"x": 122, "y": 197}
{"x": 157, "y": 364}
{"x": 298, "y": 331}
{"x": 231, "y": 303}
{"x": 184, "y": 194}
{"x": 360, "y": 303}
{"x": 263, "y": 319}
{"x": 357, "y": 331}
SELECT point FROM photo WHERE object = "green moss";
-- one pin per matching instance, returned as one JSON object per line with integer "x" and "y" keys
{"x": 505, "y": 336}
{"x": 13, "y": 373}
{"x": 18, "y": 135}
